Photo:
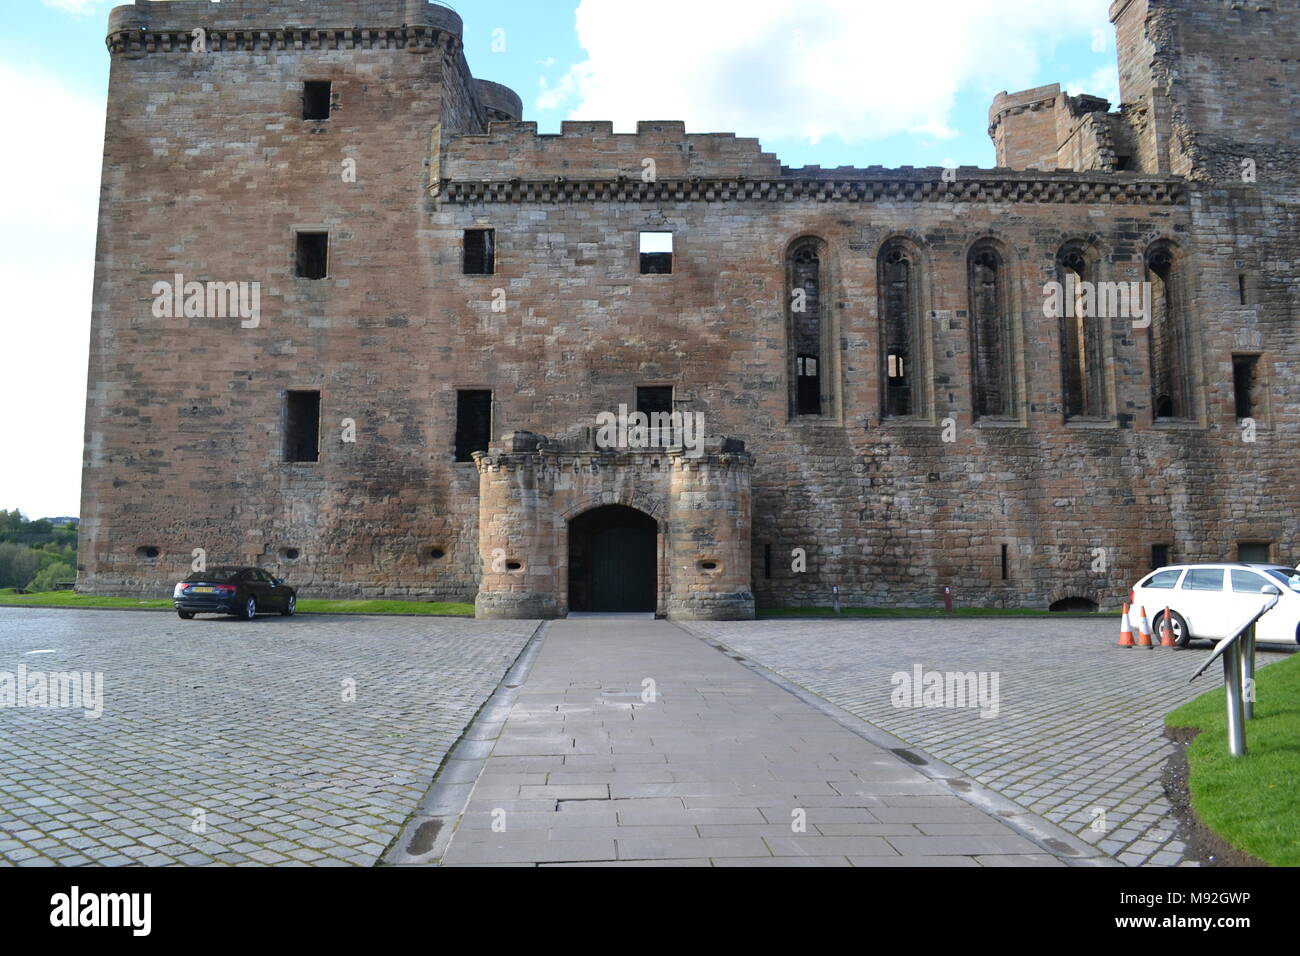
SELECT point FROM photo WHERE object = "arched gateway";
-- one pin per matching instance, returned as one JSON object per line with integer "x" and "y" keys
{"x": 564, "y": 527}
{"x": 613, "y": 560}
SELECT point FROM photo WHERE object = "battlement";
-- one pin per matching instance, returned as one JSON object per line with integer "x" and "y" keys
{"x": 592, "y": 150}
{"x": 152, "y": 26}
{"x": 589, "y": 161}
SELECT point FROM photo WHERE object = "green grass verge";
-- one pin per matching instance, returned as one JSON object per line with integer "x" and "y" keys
{"x": 1253, "y": 802}
{"x": 923, "y": 612}
{"x": 306, "y": 605}
{"x": 441, "y": 608}
{"x": 452, "y": 609}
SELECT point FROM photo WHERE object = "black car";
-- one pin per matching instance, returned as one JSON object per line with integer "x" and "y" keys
{"x": 243, "y": 592}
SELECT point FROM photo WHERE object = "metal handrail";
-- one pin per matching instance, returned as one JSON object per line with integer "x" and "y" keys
{"x": 1238, "y": 652}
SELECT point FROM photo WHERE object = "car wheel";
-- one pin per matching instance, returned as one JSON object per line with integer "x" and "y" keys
{"x": 185, "y": 615}
{"x": 250, "y": 609}
{"x": 291, "y": 606}
{"x": 1181, "y": 635}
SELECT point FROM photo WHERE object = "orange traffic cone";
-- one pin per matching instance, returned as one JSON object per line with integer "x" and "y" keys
{"x": 1167, "y": 632}
{"x": 1144, "y": 631}
{"x": 1125, "y": 629}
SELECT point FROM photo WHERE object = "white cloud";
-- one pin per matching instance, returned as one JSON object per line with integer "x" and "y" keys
{"x": 1103, "y": 82}
{"x": 49, "y": 170}
{"x": 859, "y": 70}
{"x": 80, "y": 7}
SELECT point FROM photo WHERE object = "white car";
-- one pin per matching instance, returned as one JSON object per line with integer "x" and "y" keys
{"x": 1212, "y": 600}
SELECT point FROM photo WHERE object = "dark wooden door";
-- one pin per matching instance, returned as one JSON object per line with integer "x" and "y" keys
{"x": 623, "y": 568}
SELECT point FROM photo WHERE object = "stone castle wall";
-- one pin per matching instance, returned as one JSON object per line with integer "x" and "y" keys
{"x": 208, "y": 172}
{"x": 209, "y": 169}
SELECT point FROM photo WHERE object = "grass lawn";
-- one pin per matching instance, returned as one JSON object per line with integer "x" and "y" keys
{"x": 1253, "y": 802}
{"x": 771, "y": 612}
{"x": 306, "y": 605}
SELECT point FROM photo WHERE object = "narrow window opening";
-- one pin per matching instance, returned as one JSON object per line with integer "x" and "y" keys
{"x": 1245, "y": 389}
{"x": 767, "y": 561}
{"x": 1082, "y": 367}
{"x": 302, "y": 426}
{"x": 810, "y": 389}
{"x": 656, "y": 403}
{"x": 1006, "y": 570}
{"x": 1159, "y": 556}
{"x": 990, "y": 336}
{"x": 804, "y": 328}
{"x": 1241, "y": 288}
{"x": 480, "y": 252}
{"x": 473, "y": 422}
{"x": 312, "y": 255}
{"x": 316, "y": 100}
{"x": 1166, "y": 339}
{"x": 1253, "y": 552}
{"x": 656, "y": 253}
{"x": 898, "y": 311}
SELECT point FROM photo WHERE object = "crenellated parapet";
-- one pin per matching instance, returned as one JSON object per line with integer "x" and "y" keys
{"x": 266, "y": 25}
{"x": 592, "y": 150}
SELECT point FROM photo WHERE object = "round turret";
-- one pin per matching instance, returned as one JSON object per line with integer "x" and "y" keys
{"x": 499, "y": 102}
{"x": 439, "y": 16}
{"x": 130, "y": 17}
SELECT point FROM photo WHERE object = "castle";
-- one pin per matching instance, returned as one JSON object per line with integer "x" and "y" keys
{"x": 397, "y": 313}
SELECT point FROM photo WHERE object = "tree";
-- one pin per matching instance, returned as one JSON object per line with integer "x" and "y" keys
{"x": 18, "y": 565}
{"x": 51, "y": 575}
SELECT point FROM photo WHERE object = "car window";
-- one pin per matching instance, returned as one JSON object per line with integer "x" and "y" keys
{"x": 211, "y": 575}
{"x": 1287, "y": 577}
{"x": 1203, "y": 579}
{"x": 1163, "y": 579}
{"x": 1248, "y": 582}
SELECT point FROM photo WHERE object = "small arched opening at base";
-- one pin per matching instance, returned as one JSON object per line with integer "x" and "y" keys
{"x": 1074, "y": 604}
{"x": 613, "y": 560}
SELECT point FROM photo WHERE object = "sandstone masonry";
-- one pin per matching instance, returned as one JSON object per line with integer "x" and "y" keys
{"x": 881, "y": 389}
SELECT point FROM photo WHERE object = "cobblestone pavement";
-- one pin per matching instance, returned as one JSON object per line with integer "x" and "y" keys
{"x": 1078, "y": 735}
{"x": 631, "y": 742}
{"x": 245, "y": 722}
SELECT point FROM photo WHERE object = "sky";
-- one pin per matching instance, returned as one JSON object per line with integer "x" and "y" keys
{"x": 819, "y": 82}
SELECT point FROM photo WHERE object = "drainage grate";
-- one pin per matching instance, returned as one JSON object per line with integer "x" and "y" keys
{"x": 1059, "y": 846}
{"x": 423, "y": 839}
{"x": 910, "y": 757}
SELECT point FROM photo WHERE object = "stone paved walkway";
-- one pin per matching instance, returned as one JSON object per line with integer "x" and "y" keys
{"x": 1078, "y": 738}
{"x": 720, "y": 766}
{"x": 246, "y": 722}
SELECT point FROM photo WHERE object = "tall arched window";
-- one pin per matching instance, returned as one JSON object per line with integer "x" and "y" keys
{"x": 807, "y": 368}
{"x": 1082, "y": 337}
{"x": 1167, "y": 340}
{"x": 992, "y": 355}
{"x": 901, "y": 352}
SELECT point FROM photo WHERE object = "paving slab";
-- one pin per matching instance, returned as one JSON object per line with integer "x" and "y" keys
{"x": 743, "y": 771}
{"x": 1077, "y": 738}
